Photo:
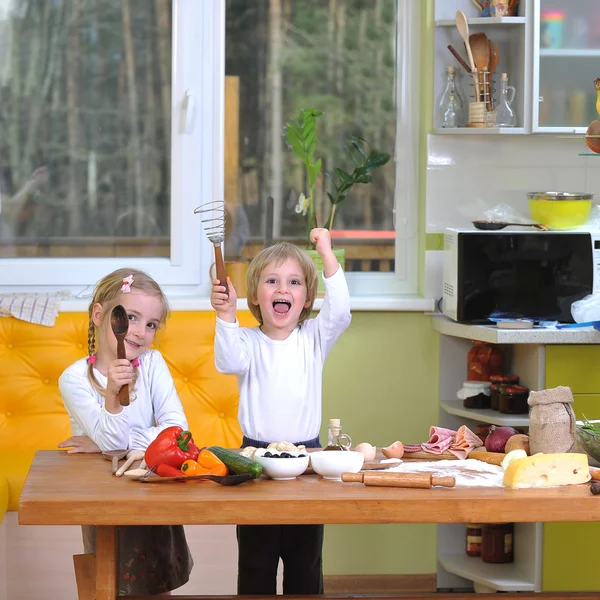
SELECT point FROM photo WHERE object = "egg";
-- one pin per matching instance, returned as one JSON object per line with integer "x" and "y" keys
{"x": 369, "y": 451}
{"x": 395, "y": 450}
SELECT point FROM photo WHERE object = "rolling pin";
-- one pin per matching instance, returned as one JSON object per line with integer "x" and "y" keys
{"x": 405, "y": 480}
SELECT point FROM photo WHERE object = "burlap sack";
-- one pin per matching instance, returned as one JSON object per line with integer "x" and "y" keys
{"x": 551, "y": 421}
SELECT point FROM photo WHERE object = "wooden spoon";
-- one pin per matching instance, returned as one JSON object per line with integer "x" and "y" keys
{"x": 119, "y": 323}
{"x": 481, "y": 56}
{"x": 463, "y": 28}
{"x": 114, "y": 456}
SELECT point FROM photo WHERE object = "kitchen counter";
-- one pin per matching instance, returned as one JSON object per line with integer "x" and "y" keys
{"x": 79, "y": 489}
{"x": 64, "y": 489}
{"x": 493, "y": 335}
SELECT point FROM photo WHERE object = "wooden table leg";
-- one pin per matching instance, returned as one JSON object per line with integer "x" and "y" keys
{"x": 107, "y": 559}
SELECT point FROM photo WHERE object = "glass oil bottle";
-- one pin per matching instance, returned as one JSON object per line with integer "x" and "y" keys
{"x": 336, "y": 440}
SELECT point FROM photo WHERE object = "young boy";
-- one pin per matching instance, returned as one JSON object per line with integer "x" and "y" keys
{"x": 279, "y": 366}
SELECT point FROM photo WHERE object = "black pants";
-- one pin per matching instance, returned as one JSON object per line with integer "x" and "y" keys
{"x": 260, "y": 547}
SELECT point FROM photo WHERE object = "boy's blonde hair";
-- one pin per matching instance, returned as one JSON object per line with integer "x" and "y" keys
{"x": 106, "y": 293}
{"x": 278, "y": 254}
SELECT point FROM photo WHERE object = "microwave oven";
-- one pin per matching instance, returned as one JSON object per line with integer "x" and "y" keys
{"x": 518, "y": 274}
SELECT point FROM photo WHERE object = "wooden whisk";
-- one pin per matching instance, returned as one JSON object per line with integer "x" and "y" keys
{"x": 215, "y": 230}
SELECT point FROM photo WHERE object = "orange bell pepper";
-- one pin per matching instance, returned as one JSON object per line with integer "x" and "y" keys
{"x": 207, "y": 463}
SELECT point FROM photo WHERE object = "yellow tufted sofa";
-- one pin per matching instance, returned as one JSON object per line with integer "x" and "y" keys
{"x": 32, "y": 416}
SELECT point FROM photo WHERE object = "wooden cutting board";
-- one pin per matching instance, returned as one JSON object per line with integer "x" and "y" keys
{"x": 492, "y": 458}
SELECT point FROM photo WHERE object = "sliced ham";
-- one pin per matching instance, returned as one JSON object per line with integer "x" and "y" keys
{"x": 464, "y": 443}
{"x": 440, "y": 439}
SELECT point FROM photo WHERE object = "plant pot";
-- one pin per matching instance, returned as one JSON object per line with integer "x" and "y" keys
{"x": 340, "y": 254}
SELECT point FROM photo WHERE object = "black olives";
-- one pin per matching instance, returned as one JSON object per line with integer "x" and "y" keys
{"x": 282, "y": 455}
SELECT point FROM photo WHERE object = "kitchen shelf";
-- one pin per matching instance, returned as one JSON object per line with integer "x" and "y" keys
{"x": 485, "y": 415}
{"x": 570, "y": 52}
{"x": 500, "y": 577}
{"x": 483, "y": 21}
{"x": 479, "y": 130}
{"x": 493, "y": 335}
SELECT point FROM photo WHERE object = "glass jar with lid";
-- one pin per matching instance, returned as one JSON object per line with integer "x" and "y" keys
{"x": 475, "y": 394}
{"x": 483, "y": 361}
{"x": 497, "y": 542}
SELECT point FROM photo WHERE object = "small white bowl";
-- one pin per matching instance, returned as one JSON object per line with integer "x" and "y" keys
{"x": 281, "y": 469}
{"x": 331, "y": 464}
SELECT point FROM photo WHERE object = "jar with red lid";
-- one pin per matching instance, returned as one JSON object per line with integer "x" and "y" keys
{"x": 497, "y": 382}
{"x": 483, "y": 361}
{"x": 473, "y": 539}
{"x": 497, "y": 542}
{"x": 513, "y": 400}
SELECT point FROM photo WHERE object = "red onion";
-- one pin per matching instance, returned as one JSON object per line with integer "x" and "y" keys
{"x": 497, "y": 438}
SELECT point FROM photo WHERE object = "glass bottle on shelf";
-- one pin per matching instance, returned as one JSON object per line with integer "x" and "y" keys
{"x": 336, "y": 440}
{"x": 452, "y": 91}
{"x": 505, "y": 115}
{"x": 451, "y": 115}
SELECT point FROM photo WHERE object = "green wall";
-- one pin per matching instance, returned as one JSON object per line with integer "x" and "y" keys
{"x": 381, "y": 380}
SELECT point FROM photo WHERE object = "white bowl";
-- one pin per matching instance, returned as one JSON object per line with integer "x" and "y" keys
{"x": 281, "y": 469}
{"x": 331, "y": 464}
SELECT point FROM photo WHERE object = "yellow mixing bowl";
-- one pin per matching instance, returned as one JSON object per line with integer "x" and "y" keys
{"x": 560, "y": 210}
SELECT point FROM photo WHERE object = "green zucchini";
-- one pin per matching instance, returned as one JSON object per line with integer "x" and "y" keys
{"x": 236, "y": 463}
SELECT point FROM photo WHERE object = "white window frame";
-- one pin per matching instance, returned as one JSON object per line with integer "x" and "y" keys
{"x": 197, "y": 159}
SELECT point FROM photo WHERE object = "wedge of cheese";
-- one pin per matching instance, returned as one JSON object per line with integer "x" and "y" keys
{"x": 544, "y": 470}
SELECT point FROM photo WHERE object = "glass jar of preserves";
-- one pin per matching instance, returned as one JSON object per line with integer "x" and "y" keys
{"x": 473, "y": 539}
{"x": 513, "y": 400}
{"x": 475, "y": 394}
{"x": 483, "y": 361}
{"x": 497, "y": 542}
{"x": 497, "y": 382}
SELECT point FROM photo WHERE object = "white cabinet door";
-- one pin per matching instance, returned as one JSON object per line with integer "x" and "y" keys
{"x": 566, "y": 53}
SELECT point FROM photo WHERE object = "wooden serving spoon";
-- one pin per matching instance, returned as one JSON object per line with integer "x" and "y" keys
{"x": 481, "y": 55}
{"x": 463, "y": 28}
{"x": 119, "y": 323}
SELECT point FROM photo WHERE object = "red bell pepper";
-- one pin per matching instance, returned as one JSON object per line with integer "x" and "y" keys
{"x": 168, "y": 471}
{"x": 172, "y": 446}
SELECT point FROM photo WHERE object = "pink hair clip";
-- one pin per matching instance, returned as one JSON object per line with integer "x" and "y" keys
{"x": 126, "y": 287}
{"x": 135, "y": 362}
{"x": 91, "y": 359}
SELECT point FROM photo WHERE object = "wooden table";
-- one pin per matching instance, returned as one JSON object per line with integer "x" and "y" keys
{"x": 79, "y": 489}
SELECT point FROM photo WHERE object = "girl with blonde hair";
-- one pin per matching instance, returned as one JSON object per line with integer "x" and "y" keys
{"x": 153, "y": 559}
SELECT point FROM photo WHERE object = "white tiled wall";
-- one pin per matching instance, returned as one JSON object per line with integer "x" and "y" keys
{"x": 470, "y": 174}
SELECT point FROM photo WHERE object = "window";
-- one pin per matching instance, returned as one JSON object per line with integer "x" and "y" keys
{"x": 122, "y": 116}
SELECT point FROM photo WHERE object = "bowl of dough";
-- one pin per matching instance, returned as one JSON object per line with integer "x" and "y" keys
{"x": 330, "y": 464}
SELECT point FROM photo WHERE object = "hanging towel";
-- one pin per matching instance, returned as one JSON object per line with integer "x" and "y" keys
{"x": 38, "y": 308}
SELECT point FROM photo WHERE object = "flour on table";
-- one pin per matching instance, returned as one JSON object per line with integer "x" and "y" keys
{"x": 468, "y": 472}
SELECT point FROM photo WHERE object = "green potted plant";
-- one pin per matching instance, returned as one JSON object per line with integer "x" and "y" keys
{"x": 301, "y": 136}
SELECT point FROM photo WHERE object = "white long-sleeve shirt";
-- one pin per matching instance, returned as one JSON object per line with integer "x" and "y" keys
{"x": 156, "y": 406}
{"x": 280, "y": 381}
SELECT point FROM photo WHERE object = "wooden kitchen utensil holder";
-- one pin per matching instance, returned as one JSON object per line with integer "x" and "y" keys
{"x": 481, "y": 113}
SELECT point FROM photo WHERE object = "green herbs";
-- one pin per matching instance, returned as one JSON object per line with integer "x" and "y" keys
{"x": 589, "y": 427}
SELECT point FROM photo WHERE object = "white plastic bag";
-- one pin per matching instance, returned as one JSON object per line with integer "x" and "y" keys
{"x": 587, "y": 309}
